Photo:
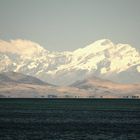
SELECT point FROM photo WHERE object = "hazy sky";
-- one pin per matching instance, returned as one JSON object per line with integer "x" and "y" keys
{"x": 70, "y": 24}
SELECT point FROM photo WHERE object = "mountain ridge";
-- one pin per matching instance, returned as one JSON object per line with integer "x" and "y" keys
{"x": 103, "y": 58}
{"x": 14, "y": 77}
{"x": 15, "y": 87}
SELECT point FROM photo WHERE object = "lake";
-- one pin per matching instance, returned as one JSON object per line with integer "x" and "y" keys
{"x": 69, "y": 119}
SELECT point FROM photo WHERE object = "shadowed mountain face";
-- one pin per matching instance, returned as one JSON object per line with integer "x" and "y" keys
{"x": 4, "y": 78}
{"x": 107, "y": 88}
{"x": 17, "y": 85}
{"x": 20, "y": 78}
{"x": 91, "y": 82}
{"x": 95, "y": 82}
{"x": 103, "y": 58}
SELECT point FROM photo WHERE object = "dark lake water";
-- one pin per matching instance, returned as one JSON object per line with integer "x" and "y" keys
{"x": 69, "y": 119}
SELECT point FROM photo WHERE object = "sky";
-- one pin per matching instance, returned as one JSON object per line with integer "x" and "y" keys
{"x": 60, "y": 25}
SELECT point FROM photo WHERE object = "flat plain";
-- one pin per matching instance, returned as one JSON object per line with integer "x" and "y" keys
{"x": 69, "y": 119}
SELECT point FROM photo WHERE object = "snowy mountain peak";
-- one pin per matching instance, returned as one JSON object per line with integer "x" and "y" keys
{"x": 103, "y": 58}
{"x": 95, "y": 47}
{"x": 102, "y": 42}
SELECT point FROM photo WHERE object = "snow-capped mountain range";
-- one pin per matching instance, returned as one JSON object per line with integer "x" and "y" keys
{"x": 103, "y": 58}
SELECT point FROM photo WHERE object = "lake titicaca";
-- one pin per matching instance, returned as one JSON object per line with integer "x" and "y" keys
{"x": 69, "y": 119}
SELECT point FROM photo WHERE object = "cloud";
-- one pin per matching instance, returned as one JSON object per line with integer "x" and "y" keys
{"x": 21, "y": 47}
